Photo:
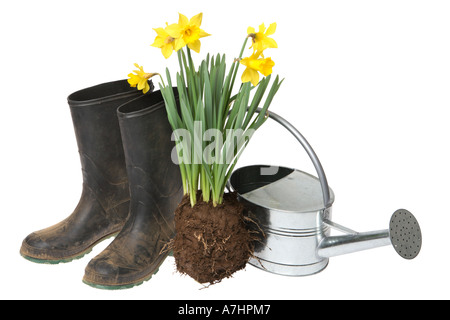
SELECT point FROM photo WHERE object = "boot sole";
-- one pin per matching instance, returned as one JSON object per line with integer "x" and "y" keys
{"x": 129, "y": 285}
{"x": 71, "y": 258}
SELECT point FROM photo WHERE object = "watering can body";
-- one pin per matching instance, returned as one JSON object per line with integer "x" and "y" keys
{"x": 290, "y": 233}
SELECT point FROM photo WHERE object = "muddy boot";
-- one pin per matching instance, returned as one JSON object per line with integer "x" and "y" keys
{"x": 156, "y": 190}
{"x": 104, "y": 203}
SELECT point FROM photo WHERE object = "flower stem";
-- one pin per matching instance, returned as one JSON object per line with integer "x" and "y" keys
{"x": 193, "y": 197}
{"x": 205, "y": 186}
{"x": 192, "y": 72}
{"x": 236, "y": 65}
{"x": 184, "y": 179}
{"x": 243, "y": 47}
{"x": 181, "y": 66}
{"x": 162, "y": 80}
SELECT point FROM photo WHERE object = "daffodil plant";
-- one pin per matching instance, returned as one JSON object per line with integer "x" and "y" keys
{"x": 211, "y": 124}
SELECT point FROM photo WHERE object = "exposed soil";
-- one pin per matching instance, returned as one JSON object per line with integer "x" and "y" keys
{"x": 211, "y": 243}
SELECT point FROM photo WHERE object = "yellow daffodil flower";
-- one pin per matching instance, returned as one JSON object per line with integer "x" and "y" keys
{"x": 260, "y": 39}
{"x": 256, "y": 64}
{"x": 187, "y": 32}
{"x": 140, "y": 79}
{"x": 166, "y": 42}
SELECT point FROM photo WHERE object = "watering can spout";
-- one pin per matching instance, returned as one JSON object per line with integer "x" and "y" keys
{"x": 340, "y": 245}
{"x": 404, "y": 235}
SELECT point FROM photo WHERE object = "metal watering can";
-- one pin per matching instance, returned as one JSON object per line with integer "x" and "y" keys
{"x": 293, "y": 209}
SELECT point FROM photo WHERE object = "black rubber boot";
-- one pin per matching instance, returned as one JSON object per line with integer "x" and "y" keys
{"x": 105, "y": 199}
{"x": 156, "y": 190}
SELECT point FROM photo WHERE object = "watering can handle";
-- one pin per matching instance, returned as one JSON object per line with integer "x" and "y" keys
{"x": 309, "y": 150}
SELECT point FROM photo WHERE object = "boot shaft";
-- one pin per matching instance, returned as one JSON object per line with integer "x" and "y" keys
{"x": 97, "y": 129}
{"x": 155, "y": 181}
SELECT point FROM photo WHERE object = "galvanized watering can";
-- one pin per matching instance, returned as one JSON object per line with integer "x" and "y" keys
{"x": 293, "y": 209}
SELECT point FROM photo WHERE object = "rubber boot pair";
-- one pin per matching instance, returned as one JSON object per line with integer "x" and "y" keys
{"x": 131, "y": 188}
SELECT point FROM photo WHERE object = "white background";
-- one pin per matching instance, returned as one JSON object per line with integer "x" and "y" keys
{"x": 367, "y": 83}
